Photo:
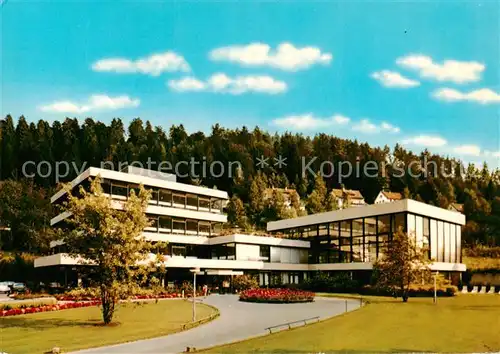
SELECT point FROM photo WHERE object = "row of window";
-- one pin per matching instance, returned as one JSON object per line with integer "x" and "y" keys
{"x": 171, "y": 225}
{"x": 383, "y": 224}
{"x": 366, "y": 239}
{"x": 166, "y": 197}
{"x": 281, "y": 278}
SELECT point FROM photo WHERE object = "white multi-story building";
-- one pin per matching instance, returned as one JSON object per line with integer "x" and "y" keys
{"x": 190, "y": 218}
{"x": 353, "y": 239}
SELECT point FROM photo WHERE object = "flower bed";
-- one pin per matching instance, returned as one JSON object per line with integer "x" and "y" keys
{"x": 284, "y": 296}
{"x": 47, "y": 308}
{"x": 136, "y": 297}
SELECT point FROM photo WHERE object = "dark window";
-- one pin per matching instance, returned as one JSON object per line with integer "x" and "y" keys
{"x": 192, "y": 226}
{"x": 154, "y": 195}
{"x": 384, "y": 224}
{"x": 204, "y": 202}
{"x": 165, "y": 196}
{"x": 179, "y": 199}
{"x": 165, "y": 224}
{"x": 179, "y": 226}
{"x": 265, "y": 253}
{"x": 178, "y": 250}
{"x": 119, "y": 190}
{"x": 192, "y": 201}
{"x": 345, "y": 241}
{"x": 134, "y": 188}
{"x": 106, "y": 186}
{"x": 153, "y": 224}
{"x": 398, "y": 221}
{"x": 204, "y": 227}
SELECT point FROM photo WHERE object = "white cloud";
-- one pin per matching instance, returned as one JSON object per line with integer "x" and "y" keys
{"x": 389, "y": 128}
{"x": 472, "y": 150}
{"x": 449, "y": 70}
{"x": 309, "y": 121}
{"x": 95, "y": 102}
{"x": 340, "y": 119}
{"x": 425, "y": 140}
{"x": 393, "y": 79}
{"x": 187, "y": 84}
{"x": 483, "y": 96}
{"x": 305, "y": 121}
{"x": 366, "y": 126}
{"x": 153, "y": 65}
{"x": 285, "y": 57}
{"x": 222, "y": 83}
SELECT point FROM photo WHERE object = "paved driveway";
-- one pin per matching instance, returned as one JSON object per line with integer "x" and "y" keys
{"x": 237, "y": 321}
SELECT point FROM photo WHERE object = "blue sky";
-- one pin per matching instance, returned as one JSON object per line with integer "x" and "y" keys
{"x": 425, "y": 74}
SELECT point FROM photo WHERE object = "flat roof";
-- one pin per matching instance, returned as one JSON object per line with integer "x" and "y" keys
{"x": 405, "y": 205}
{"x": 145, "y": 180}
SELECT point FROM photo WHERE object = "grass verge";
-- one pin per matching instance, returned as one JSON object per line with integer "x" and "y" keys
{"x": 466, "y": 323}
{"x": 82, "y": 328}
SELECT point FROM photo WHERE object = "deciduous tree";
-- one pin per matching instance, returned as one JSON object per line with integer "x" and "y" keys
{"x": 110, "y": 240}
{"x": 403, "y": 263}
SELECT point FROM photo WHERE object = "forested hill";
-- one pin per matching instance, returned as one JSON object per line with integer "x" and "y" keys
{"x": 94, "y": 142}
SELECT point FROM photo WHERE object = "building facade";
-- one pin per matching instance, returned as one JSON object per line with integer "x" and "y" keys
{"x": 191, "y": 220}
{"x": 347, "y": 198}
{"x": 353, "y": 239}
{"x": 387, "y": 197}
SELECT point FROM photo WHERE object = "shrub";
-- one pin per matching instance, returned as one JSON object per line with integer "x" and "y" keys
{"x": 80, "y": 294}
{"x": 91, "y": 294}
{"x": 244, "y": 282}
{"x": 482, "y": 252}
{"x": 338, "y": 283}
{"x": 29, "y": 296}
{"x": 276, "y": 295}
{"x": 416, "y": 290}
{"x": 27, "y": 303}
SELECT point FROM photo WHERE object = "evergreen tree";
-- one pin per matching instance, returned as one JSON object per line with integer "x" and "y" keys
{"x": 257, "y": 199}
{"x": 236, "y": 212}
{"x": 316, "y": 202}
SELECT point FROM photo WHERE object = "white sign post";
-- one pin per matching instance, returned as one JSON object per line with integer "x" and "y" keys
{"x": 194, "y": 271}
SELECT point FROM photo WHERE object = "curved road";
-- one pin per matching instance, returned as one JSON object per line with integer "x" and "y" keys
{"x": 237, "y": 321}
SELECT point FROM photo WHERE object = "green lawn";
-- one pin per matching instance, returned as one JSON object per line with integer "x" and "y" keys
{"x": 82, "y": 328}
{"x": 466, "y": 323}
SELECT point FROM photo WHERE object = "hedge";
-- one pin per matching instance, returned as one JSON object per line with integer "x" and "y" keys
{"x": 415, "y": 291}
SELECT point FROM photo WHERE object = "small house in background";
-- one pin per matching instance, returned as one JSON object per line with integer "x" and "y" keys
{"x": 288, "y": 195}
{"x": 348, "y": 198}
{"x": 387, "y": 197}
{"x": 459, "y": 208}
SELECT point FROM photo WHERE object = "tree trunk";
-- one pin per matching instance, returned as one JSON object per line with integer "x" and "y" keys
{"x": 108, "y": 306}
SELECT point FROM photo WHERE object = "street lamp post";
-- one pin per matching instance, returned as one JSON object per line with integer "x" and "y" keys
{"x": 194, "y": 271}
